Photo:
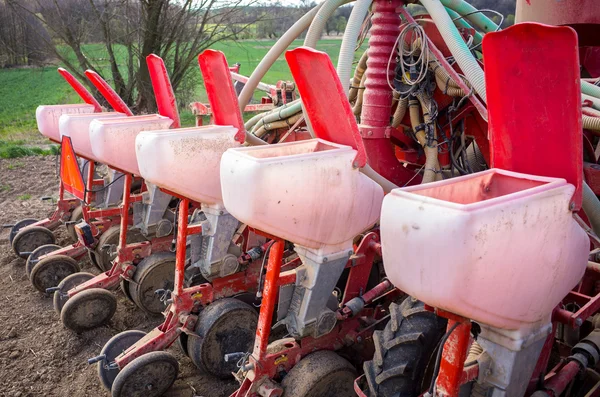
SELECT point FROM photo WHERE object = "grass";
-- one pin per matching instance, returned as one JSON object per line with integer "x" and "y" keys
{"x": 10, "y": 149}
{"x": 24, "y": 197}
{"x": 5, "y": 188}
{"x": 22, "y": 90}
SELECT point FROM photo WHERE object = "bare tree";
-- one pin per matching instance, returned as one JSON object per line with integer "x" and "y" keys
{"x": 130, "y": 30}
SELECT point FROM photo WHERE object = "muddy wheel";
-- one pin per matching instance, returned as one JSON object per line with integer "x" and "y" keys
{"x": 320, "y": 374}
{"x": 18, "y": 226}
{"x": 88, "y": 309}
{"x": 60, "y": 296}
{"x": 404, "y": 351}
{"x": 150, "y": 375}
{"x": 50, "y": 271}
{"x": 154, "y": 272}
{"x": 125, "y": 288}
{"x": 112, "y": 349}
{"x": 225, "y": 326}
{"x": 182, "y": 343}
{"x": 106, "y": 250}
{"x": 76, "y": 216}
{"x": 29, "y": 238}
{"x": 34, "y": 258}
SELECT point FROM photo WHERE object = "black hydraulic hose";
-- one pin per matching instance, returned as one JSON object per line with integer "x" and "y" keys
{"x": 438, "y": 358}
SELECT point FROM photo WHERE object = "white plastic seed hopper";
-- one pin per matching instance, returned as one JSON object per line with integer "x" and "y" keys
{"x": 76, "y": 126}
{"x": 113, "y": 139}
{"x": 47, "y": 117}
{"x": 186, "y": 162}
{"x": 306, "y": 192}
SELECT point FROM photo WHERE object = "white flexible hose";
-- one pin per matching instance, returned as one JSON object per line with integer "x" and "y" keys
{"x": 468, "y": 64}
{"x": 357, "y": 17}
{"x": 320, "y": 21}
{"x": 275, "y": 52}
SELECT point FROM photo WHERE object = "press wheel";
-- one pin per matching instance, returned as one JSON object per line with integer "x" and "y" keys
{"x": 225, "y": 326}
{"x": 37, "y": 253}
{"x": 106, "y": 250}
{"x": 76, "y": 216}
{"x": 31, "y": 237}
{"x": 320, "y": 374}
{"x": 88, "y": 309}
{"x": 111, "y": 350}
{"x": 50, "y": 271}
{"x": 156, "y": 271}
{"x": 150, "y": 375}
{"x": 72, "y": 281}
{"x": 18, "y": 226}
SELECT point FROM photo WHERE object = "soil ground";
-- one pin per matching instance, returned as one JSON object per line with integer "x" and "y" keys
{"x": 38, "y": 356}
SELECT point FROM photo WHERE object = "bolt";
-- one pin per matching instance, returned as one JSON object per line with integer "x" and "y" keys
{"x": 572, "y": 206}
{"x": 324, "y": 260}
{"x": 578, "y": 321}
{"x": 359, "y": 339}
{"x": 370, "y": 133}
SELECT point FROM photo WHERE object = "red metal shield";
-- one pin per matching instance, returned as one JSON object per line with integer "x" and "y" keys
{"x": 534, "y": 102}
{"x": 108, "y": 93}
{"x": 323, "y": 96}
{"x": 220, "y": 91}
{"x": 80, "y": 90}
{"x": 163, "y": 91}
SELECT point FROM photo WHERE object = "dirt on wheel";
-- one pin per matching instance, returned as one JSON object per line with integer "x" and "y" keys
{"x": 38, "y": 356}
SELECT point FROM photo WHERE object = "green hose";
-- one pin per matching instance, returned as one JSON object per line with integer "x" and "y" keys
{"x": 478, "y": 19}
{"x": 591, "y": 207}
{"x": 464, "y": 24}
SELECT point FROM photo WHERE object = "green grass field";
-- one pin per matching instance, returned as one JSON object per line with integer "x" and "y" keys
{"x": 22, "y": 90}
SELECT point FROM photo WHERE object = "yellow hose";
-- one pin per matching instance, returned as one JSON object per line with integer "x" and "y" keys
{"x": 591, "y": 123}
{"x": 431, "y": 154}
{"x": 357, "y": 108}
{"x": 357, "y": 79}
{"x": 400, "y": 112}
{"x": 445, "y": 83}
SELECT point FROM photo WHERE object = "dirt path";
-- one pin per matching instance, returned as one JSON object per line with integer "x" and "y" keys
{"x": 38, "y": 356}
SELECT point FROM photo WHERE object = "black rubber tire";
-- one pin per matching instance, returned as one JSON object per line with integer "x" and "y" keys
{"x": 156, "y": 271}
{"x": 112, "y": 349}
{"x": 64, "y": 286}
{"x": 18, "y": 226}
{"x": 88, "y": 309}
{"x": 32, "y": 260}
{"x": 225, "y": 326}
{"x": 76, "y": 216}
{"x": 150, "y": 375}
{"x": 320, "y": 374}
{"x": 50, "y": 271}
{"x": 404, "y": 351}
{"x": 111, "y": 237}
{"x": 30, "y": 238}
{"x": 124, "y": 284}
